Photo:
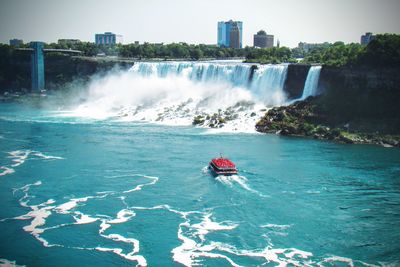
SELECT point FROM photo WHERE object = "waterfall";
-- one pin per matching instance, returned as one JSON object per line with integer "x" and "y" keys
{"x": 176, "y": 92}
{"x": 311, "y": 84}
{"x": 267, "y": 81}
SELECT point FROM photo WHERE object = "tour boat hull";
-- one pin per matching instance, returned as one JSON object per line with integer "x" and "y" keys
{"x": 222, "y": 166}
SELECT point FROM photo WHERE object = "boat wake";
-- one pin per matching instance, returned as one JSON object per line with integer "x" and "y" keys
{"x": 242, "y": 181}
{"x": 232, "y": 180}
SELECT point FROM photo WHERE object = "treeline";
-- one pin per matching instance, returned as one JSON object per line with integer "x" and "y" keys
{"x": 154, "y": 50}
{"x": 175, "y": 51}
{"x": 274, "y": 55}
{"x": 384, "y": 50}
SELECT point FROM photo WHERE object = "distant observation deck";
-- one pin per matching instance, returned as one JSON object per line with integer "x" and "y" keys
{"x": 37, "y": 63}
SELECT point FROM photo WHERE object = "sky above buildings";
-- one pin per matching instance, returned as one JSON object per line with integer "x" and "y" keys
{"x": 195, "y": 21}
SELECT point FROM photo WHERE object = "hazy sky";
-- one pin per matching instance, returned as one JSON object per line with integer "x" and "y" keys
{"x": 195, "y": 21}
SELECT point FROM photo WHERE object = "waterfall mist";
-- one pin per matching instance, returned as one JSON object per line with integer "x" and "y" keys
{"x": 176, "y": 92}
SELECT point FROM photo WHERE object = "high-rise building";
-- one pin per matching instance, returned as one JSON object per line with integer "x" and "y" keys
{"x": 108, "y": 38}
{"x": 368, "y": 37}
{"x": 226, "y": 29}
{"x": 234, "y": 37}
{"x": 263, "y": 40}
{"x": 16, "y": 42}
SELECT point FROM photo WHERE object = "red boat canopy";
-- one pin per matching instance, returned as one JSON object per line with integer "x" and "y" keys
{"x": 223, "y": 163}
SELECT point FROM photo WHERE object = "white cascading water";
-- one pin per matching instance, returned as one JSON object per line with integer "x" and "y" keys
{"x": 311, "y": 84}
{"x": 175, "y": 92}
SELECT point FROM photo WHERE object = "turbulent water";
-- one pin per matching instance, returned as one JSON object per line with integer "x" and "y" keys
{"x": 85, "y": 185}
{"x": 175, "y": 92}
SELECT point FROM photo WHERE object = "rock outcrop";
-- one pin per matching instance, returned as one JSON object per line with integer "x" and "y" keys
{"x": 303, "y": 119}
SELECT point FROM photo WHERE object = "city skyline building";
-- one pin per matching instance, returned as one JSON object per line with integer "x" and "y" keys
{"x": 226, "y": 29}
{"x": 108, "y": 38}
{"x": 16, "y": 42}
{"x": 234, "y": 36}
{"x": 366, "y": 38}
{"x": 263, "y": 40}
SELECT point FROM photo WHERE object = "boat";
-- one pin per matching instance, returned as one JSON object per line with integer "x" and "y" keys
{"x": 222, "y": 166}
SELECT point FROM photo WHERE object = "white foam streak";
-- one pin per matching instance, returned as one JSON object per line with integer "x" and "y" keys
{"x": 84, "y": 218}
{"x": 138, "y": 258}
{"x": 192, "y": 232}
{"x": 188, "y": 252}
{"x": 230, "y": 180}
{"x": 280, "y": 256}
{"x": 19, "y": 156}
{"x": 67, "y": 206}
{"x": 337, "y": 259}
{"x": 6, "y": 171}
{"x": 350, "y": 262}
{"x": 39, "y": 218}
{"x": 8, "y": 263}
{"x": 207, "y": 226}
{"x": 39, "y": 213}
{"x": 139, "y": 187}
{"x": 122, "y": 216}
{"x": 44, "y": 156}
{"x": 276, "y": 226}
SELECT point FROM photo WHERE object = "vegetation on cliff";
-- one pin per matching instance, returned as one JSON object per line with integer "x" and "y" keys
{"x": 383, "y": 51}
{"x": 360, "y": 96}
{"x": 273, "y": 55}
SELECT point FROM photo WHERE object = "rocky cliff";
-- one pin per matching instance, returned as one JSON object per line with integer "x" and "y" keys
{"x": 59, "y": 69}
{"x": 295, "y": 80}
{"x": 360, "y": 105}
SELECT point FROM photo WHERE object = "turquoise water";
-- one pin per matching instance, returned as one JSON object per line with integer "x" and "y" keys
{"x": 107, "y": 193}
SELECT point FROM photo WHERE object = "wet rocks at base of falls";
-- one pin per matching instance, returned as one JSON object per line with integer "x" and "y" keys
{"x": 301, "y": 119}
{"x": 215, "y": 120}
{"x": 221, "y": 117}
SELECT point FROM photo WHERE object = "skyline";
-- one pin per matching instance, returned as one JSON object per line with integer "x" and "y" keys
{"x": 155, "y": 21}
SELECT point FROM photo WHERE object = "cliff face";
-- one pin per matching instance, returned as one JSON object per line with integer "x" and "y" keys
{"x": 358, "y": 78}
{"x": 355, "y": 99}
{"x": 58, "y": 70}
{"x": 295, "y": 80}
{"x": 303, "y": 118}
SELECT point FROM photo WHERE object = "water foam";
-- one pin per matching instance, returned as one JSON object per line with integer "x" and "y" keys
{"x": 174, "y": 93}
{"x": 8, "y": 263}
{"x": 39, "y": 213}
{"x": 6, "y": 170}
{"x": 276, "y": 226}
{"x": 192, "y": 232}
{"x": 231, "y": 180}
{"x": 207, "y": 225}
{"x": 139, "y": 187}
{"x": 18, "y": 157}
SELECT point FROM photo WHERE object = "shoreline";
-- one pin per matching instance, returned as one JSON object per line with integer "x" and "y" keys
{"x": 300, "y": 120}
